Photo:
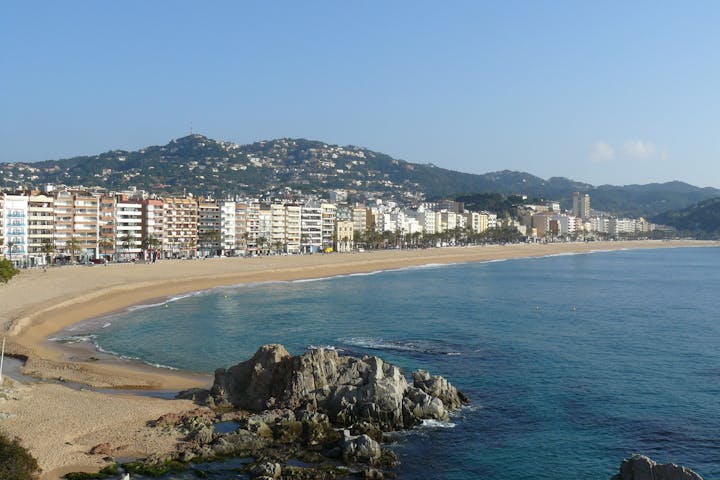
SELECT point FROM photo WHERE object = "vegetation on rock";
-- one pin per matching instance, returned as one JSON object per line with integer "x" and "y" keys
{"x": 16, "y": 463}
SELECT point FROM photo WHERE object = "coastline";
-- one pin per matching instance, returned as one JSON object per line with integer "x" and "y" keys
{"x": 91, "y": 292}
{"x": 60, "y": 425}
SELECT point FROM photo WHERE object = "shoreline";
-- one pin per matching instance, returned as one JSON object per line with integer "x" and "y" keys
{"x": 60, "y": 425}
{"x": 29, "y": 331}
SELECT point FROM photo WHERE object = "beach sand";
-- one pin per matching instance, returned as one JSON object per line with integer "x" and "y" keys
{"x": 59, "y": 424}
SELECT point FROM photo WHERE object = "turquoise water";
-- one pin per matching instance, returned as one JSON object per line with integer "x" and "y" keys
{"x": 571, "y": 362}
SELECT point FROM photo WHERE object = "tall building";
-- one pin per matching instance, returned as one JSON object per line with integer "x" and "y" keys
{"x": 40, "y": 229}
{"x": 228, "y": 227}
{"x": 128, "y": 228}
{"x": 2, "y": 225}
{"x": 16, "y": 228}
{"x": 106, "y": 222}
{"x": 581, "y": 205}
{"x": 180, "y": 227}
{"x": 277, "y": 234}
{"x": 293, "y": 228}
{"x": 311, "y": 227}
{"x": 77, "y": 230}
{"x": 329, "y": 213}
{"x": 152, "y": 225}
{"x": 208, "y": 227}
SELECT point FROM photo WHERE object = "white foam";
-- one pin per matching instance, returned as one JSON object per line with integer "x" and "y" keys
{"x": 331, "y": 348}
{"x": 174, "y": 298}
{"x": 72, "y": 339}
{"x": 437, "y": 424}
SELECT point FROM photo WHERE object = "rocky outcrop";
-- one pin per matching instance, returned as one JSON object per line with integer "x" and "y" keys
{"x": 346, "y": 389}
{"x": 640, "y": 467}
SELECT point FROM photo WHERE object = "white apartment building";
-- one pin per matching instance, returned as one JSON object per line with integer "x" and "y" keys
{"x": 15, "y": 214}
{"x": 128, "y": 228}
{"x": 153, "y": 232}
{"x": 312, "y": 227}
{"x": 41, "y": 223}
{"x": 228, "y": 227}
{"x": 265, "y": 228}
{"x": 293, "y": 228}
{"x": 329, "y": 215}
{"x": 621, "y": 226}
{"x": 277, "y": 234}
{"x": 2, "y": 225}
{"x": 476, "y": 221}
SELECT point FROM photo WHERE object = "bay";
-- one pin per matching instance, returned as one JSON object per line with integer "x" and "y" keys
{"x": 572, "y": 362}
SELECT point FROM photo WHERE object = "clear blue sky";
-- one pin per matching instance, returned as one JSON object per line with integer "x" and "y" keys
{"x": 604, "y": 92}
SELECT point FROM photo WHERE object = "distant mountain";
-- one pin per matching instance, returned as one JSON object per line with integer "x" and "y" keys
{"x": 701, "y": 219}
{"x": 202, "y": 166}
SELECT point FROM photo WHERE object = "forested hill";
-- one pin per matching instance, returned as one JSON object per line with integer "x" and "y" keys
{"x": 203, "y": 166}
{"x": 701, "y": 219}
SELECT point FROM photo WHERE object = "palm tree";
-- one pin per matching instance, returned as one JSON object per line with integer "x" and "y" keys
{"x": 47, "y": 247}
{"x": 106, "y": 245}
{"x": 127, "y": 241}
{"x": 10, "y": 245}
{"x": 278, "y": 246}
{"x": 261, "y": 244}
{"x": 73, "y": 246}
{"x": 209, "y": 240}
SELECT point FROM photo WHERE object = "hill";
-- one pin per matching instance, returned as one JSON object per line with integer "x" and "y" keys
{"x": 701, "y": 219}
{"x": 284, "y": 167}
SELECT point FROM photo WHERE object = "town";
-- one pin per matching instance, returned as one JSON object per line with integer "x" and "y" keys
{"x": 73, "y": 224}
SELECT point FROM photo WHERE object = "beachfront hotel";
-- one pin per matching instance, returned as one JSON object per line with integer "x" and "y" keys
{"x": 80, "y": 225}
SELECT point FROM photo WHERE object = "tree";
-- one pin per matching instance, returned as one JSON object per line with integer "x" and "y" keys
{"x": 150, "y": 243}
{"x": 16, "y": 463}
{"x": 48, "y": 247}
{"x": 278, "y": 246}
{"x": 261, "y": 241}
{"x": 127, "y": 241}
{"x": 210, "y": 241}
{"x": 106, "y": 245}
{"x": 7, "y": 270}
{"x": 73, "y": 246}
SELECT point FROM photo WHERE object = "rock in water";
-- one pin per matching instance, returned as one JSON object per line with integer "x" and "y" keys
{"x": 640, "y": 467}
{"x": 347, "y": 389}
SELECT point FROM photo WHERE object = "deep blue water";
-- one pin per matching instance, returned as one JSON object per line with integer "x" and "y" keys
{"x": 572, "y": 362}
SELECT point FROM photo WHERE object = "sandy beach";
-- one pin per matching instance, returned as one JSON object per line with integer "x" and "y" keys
{"x": 59, "y": 425}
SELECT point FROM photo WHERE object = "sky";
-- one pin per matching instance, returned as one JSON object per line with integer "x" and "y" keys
{"x": 610, "y": 92}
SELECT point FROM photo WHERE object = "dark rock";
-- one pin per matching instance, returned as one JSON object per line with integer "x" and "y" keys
{"x": 438, "y": 387}
{"x": 372, "y": 474}
{"x": 640, "y": 467}
{"x": 102, "y": 449}
{"x": 347, "y": 389}
{"x": 202, "y": 435}
{"x": 361, "y": 449}
{"x": 265, "y": 470}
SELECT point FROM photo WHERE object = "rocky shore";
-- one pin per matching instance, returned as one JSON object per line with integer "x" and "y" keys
{"x": 640, "y": 467}
{"x": 313, "y": 416}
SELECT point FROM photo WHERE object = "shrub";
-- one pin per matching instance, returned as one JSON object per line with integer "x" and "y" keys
{"x": 7, "y": 270}
{"x": 16, "y": 463}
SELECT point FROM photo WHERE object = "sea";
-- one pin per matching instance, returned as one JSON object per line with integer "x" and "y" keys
{"x": 571, "y": 362}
